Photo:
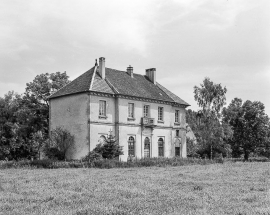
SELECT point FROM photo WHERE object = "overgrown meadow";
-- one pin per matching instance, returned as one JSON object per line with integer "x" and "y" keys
{"x": 228, "y": 188}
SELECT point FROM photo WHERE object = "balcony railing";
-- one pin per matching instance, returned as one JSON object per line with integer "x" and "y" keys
{"x": 148, "y": 122}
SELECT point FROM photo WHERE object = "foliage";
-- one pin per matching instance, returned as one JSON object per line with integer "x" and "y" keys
{"x": 211, "y": 133}
{"x": 107, "y": 163}
{"x": 61, "y": 142}
{"x": 210, "y": 96}
{"x": 12, "y": 143}
{"x": 24, "y": 119}
{"x": 192, "y": 148}
{"x": 44, "y": 85}
{"x": 110, "y": 149}
{"x": 251, "y": 127}
{"x": 92, "y": 156}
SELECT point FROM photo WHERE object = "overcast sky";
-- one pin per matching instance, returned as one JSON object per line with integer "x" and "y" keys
{"x": 185, "y": 40}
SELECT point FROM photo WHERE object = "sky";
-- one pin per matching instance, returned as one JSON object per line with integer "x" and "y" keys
{"x": 185, "y": 40}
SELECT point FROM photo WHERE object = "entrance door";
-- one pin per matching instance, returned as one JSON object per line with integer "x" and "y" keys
{"x": 147, "y": 147}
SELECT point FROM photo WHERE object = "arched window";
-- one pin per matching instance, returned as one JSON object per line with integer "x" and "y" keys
{"x": 147, "y": 147}
{"x": 131, "y": 146}
{"x": 160, "y": 147}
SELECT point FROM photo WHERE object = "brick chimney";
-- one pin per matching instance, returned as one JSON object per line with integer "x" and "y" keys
{"x": 102, "y": 67}
{"x": 130, "y": 71}
{"x": 151, "y": 74}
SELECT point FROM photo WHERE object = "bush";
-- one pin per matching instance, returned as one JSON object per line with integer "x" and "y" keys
{"x": 54, "y": 154}
{"x": 46, "y": 164}
{"x": 61, "y": 141}
{"x": 92, "y": 156}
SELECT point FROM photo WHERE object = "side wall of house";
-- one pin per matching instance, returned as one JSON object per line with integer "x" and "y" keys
{"x": 71, "y": 112}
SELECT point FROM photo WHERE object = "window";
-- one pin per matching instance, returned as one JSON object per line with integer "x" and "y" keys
{"x": 160, "y": 147}
{"x": 131, "y": 146}
{"x": 130, "y": 110}
{"x": 147, "y": 147}
{"x": 146, "y": 111}
{"x": 177, "y": 116}
{"x": 102, "y": 108}
{"x": 160, "y": 113}
{"x": 177, "y": 133}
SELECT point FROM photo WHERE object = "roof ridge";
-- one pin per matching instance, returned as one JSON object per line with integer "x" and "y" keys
{"x": 71, "y": 82}
{"x": 158, "y": 85}
{"x": 110, "y": 84}
{"x": 93, "y": 77}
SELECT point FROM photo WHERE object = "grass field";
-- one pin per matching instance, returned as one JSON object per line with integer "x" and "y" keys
{"x": 230, "y": 188}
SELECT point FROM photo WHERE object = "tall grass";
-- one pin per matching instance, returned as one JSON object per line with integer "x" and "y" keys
{"x": 108, "y": 163}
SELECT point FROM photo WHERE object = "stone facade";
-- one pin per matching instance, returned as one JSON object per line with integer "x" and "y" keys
{"x": 81, "y": 114}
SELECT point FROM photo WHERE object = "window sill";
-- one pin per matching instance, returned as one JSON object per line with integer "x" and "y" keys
{"x": 130, "y": 119}
{"x": 102, "y": 117}
{"x": 159, "y": 121}
{"x": 177, "y": 123}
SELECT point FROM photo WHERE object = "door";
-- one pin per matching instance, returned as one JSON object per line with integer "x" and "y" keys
{"x": 147, "y": 147}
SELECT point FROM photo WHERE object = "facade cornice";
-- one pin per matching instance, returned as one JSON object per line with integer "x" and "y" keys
{"x": 96, "y": 93}
{"x": 101, "y": 94}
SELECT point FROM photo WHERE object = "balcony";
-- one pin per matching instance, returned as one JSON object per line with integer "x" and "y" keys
{"x": 148, "y": 122}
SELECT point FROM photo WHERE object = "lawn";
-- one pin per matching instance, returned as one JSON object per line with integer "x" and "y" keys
{"x": 230, "y": 188}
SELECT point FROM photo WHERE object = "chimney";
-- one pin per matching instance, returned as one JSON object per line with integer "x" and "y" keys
{"x": 151, "y": 74}
{"x": 102, "y": 67}
{"x": 130, "y": 71}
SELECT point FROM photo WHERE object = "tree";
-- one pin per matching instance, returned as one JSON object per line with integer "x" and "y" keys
{"x": 250, "y": 125}
{"x": 110, "y": 149}
{"x": 206, "y": 124}
{"x": 23, "y": 116}
{"x": 44, "y": 85}
{"x": 12, "y": 146}
{"x": 210, "y": 96}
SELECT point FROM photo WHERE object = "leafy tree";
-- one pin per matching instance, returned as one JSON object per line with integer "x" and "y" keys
{"x": 110, "y": 149}
{"x": 210, "y": 96}
{"x": 22, "y": 117}
{"x": 12, "y": 146}
{"x": 192, "y": 148}
{"x": 206, "y": 124}
{"x": 44, "y": 85}
{"x": 250, "y": 125}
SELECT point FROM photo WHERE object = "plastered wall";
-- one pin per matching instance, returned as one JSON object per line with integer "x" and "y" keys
{"x": 70, "y": 112}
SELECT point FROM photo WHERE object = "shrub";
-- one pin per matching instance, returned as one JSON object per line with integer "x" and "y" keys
{"x": 54, "y": 154}
{"x": 61, "y": 141}
{"x": 92, "y": 156}
{"x": 47, "y": 164}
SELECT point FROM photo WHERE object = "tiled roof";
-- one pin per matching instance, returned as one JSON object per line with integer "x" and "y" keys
{"x": 80, "y": 84}
{"x": 119, "y": 82}
{"x": 173, "y": 96}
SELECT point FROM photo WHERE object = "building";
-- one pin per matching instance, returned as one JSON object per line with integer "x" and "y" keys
{"x": 146, "y": 118}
